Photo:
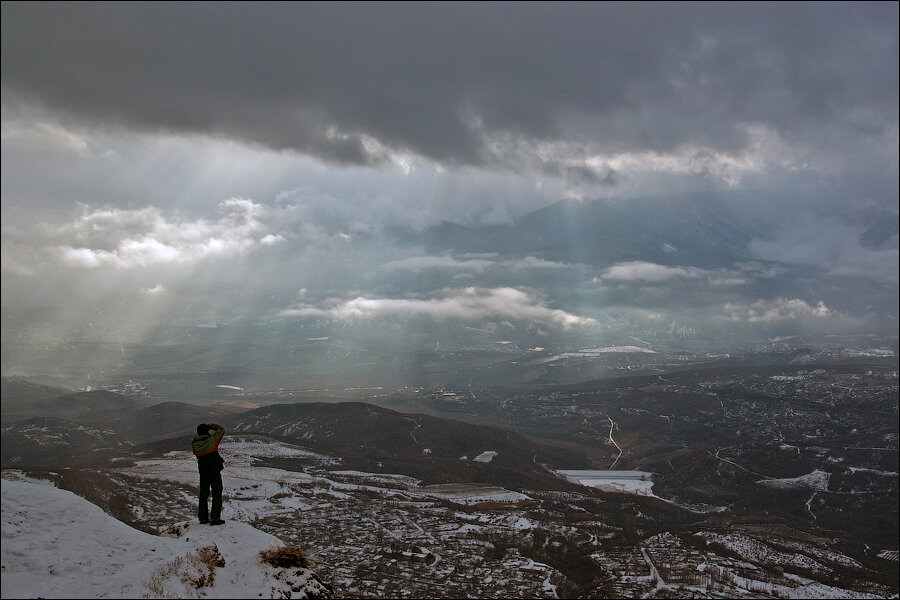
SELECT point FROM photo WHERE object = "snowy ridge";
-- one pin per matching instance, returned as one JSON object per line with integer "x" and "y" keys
{"x": 58, "y": 545}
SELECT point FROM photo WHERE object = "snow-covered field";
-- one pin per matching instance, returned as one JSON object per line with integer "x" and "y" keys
{"x": 256, "y": 490}
{"x": 627, "y": 486}
{"x": 868, "y": 352}
{"x": 595, "y": 353}
{"x": 470, "y": 493}
{"x": 253, "y": 490}
{"x": 630, "y": 482}
{"x": 55, "y": 542}
{"x": 58, "y": 545}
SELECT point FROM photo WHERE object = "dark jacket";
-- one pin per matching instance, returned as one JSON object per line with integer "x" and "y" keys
{"x": 206, "y": 449}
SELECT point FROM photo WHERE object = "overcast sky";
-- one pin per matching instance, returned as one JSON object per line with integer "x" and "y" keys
{"x": 219, "y": 154}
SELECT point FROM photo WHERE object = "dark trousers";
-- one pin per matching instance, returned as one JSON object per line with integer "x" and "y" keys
{"x": 210, "y": 481}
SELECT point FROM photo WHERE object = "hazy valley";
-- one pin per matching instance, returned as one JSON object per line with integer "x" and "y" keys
{"x": 775, "y": 472}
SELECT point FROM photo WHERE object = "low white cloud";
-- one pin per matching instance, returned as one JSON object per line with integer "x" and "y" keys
{"x": 743, "y": 274}
{"x": 145, "y": 237}
{"x": 646, "y": 271}
{"x": 728, "y": 281}
{"x": 473, "y": 262}
{"x": 155, "y": 290}
{"x": 271, "y": 240}
{"x": 468, "y": 304}
{"x": 129, "y": 253}
{"x": 532, "y": 262}
{"x": 419, "y": 263}
{"x": 777, "y": 311}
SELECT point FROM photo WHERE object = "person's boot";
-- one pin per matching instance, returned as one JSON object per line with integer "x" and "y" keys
{"x": 216, "y": 522}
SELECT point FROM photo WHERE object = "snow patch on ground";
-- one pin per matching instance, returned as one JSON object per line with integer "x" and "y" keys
{"x": 875, "y": 471}
{"x": 388, "y": 480}
{"x": 753, "y": 550}
{"x": 867, "y": 352}
{"x": 817, "y": 480}
{"x": 627, "y": 486}
{"x": 251, "y": 490}
{"x": 486, "y": 456}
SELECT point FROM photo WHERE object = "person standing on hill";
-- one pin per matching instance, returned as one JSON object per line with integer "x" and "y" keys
{"x": 206, "y": 448}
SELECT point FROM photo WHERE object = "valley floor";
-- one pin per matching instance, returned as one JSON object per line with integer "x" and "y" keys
{"x": 384, "y": 535}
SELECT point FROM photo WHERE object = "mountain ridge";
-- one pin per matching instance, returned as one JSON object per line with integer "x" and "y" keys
{"x": 701, "y": 230}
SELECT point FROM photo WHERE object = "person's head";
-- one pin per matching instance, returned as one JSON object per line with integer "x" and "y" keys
{"x": 202, "y": 429}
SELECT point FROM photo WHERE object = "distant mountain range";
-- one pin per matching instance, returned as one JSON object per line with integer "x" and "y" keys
{"x": 698, "y": 230}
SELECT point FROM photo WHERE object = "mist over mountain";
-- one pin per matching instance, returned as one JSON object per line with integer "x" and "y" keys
{"x": 712, "y": 271}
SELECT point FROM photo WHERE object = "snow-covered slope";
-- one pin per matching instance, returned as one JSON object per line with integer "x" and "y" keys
{"x": 58, "y": 545}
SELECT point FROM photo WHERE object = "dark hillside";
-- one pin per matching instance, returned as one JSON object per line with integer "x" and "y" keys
{"x": 164, "y": 420}
{"x": 57, "y": 443}
{"x": 430, "y": 448}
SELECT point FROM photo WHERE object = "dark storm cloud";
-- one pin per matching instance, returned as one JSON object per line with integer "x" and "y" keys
{"x": 349, "y": 82}
{"x": 143, "y": 165}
